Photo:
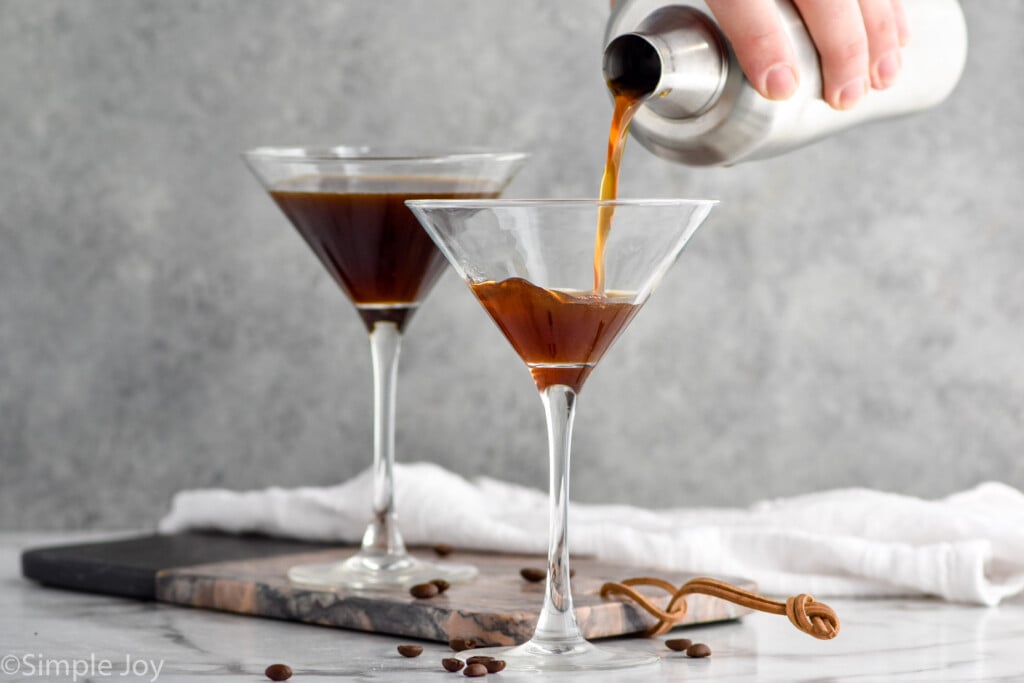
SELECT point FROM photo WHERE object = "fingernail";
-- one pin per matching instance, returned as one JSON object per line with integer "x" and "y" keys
{"x": 851, "y": 93}
{"x": 887, "y": 69}
{"x": 780, "y": 82}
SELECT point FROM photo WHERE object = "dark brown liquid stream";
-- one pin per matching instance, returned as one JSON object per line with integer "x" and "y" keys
{"x": 626, "y": 104}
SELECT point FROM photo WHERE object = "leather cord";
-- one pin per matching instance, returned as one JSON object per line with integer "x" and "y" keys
{"x": 810, "y": 616}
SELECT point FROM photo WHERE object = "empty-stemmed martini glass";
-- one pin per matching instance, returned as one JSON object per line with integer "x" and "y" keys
{"x": 348, "y": 205}
{"x": 561, "y": 297}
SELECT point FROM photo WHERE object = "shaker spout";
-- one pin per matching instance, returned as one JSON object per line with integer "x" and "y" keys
{"x": 677, "y": 58}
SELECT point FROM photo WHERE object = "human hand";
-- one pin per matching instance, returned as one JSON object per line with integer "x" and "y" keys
{"x": 858, "y": 42}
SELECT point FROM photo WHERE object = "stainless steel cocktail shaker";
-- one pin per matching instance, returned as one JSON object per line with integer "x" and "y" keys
{"x": 702, "y": 111}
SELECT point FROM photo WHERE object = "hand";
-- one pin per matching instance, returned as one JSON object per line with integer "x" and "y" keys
{"x": 858, "y": 42}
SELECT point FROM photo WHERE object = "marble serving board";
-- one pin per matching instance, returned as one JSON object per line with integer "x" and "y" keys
{"x": 497, "y": 608}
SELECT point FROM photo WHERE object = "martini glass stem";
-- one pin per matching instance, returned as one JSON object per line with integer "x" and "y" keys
{"x": 382, "y": 541}
{"x": 557, "y": 630}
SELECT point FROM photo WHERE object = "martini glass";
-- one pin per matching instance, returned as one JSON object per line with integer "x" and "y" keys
{"x": 348, "y": 205}
{"x": 561, "y": 298}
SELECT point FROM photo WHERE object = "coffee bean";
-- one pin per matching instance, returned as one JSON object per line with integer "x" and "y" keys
{"x": 410, "y": 650}
{"x": 532, "y": 574}
{"x": 495, "y": 666}
{"x": 536, "y": 575}
{"x": 443, "y": 549}
{"x": 678, "y": 644}
{"x": 479, "y": 659}
{"x": 441, "y": 584}
{"x": 475, "y": 671}
{"x": 278, "y": 672}
{"x": 424, "y": 590}
{"x": 698, "y": 650}
{"x": 452, "y": 664}
{"x": 460, "y": 644}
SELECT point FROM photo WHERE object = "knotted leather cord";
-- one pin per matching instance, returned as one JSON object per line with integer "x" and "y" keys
{"x": 813, "y": 618}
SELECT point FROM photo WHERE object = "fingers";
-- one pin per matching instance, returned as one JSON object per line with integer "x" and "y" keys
{"x": 883, "y": 35}
{"x": 837, "y": 29}
{"x": 902, "y": 27}
{"x": 858, "y": 42}
{"x": 755, "y": 30}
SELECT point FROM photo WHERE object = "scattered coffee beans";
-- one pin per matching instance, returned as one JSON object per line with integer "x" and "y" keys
{"x": 678, "y": 644}
{"x": 495, "y": 666}
{"x": 460, "y": 644}
{"x": 424, "y": 590}
{"x": 475, "y": 670}
{"x": 441, "y": 584}
{"x": 698, "y": 650}
{"x": 443, "y": 549}
{"x": 278, "y": 672}
{"x": 452, "y": 664}
{"x": 410, "y": 650}
{"x": 532, "y": 574}
{"x": 479, "y": 659}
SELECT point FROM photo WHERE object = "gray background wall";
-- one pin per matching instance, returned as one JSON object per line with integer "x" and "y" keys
{"x": 853, "y": 315}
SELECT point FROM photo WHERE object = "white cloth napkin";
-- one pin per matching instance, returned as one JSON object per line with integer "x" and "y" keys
{"x": 968, "y": 547}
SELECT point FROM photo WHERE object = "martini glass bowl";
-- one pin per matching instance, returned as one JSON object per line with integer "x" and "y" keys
{"x": 347, "y": 203}
{"x": 561, "y": 290}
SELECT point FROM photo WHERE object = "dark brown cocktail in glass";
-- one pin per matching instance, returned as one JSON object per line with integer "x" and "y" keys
{"x": 349, "y": 206}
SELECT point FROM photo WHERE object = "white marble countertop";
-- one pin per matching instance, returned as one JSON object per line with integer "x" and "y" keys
{"x": 881, "y": 640}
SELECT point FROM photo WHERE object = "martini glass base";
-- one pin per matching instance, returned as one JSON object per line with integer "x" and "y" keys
{"x": 360, "y": 572}
{"x": 541, "y": 657}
